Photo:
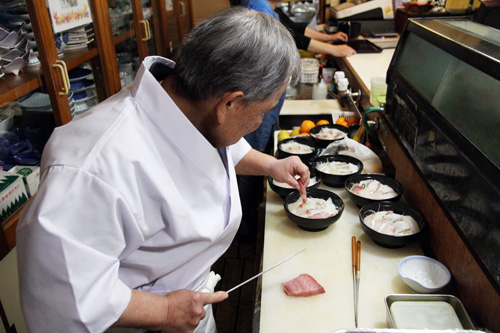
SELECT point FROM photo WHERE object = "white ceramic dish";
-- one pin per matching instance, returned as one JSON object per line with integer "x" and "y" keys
{"x": 77, "y": 74}
{"x": 12, "y": 54}
{"x": 423, "y": 275}
{"x": 15, "y": 66}
{"x": 84, "y": 106}
{"x": 9, "y": 41}
{"x": 87, "y": 85}
{"x": 36, "y": 101}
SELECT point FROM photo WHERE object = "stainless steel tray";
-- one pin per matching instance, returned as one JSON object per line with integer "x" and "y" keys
{"x": 452, "y": 300}
{"x": 392, "y": 330}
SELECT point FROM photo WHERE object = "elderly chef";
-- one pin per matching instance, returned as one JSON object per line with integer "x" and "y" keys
{"x": 138, "y": 196}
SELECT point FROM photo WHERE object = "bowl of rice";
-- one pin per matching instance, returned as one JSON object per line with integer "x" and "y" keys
{"x": 323, "y": 135}
{"x": 367, "y": 188}
{"x": 301, "y": 146}
{"x": 335, "y": 169}
{"x": 283, "y": 189}
{"x": 322, "y": 209}
{"x": 391, "y": 224}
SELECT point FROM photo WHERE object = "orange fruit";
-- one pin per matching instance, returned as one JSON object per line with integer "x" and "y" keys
{"x": 352, "y": 120}
{"x": 341, "y": 120}
{"x": 343, "y": 123}
{"x": 322, "y": 122}
{"x": 306, "y": 126}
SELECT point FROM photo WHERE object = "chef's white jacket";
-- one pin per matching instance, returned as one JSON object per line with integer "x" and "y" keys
{"x": 131, "y": 196}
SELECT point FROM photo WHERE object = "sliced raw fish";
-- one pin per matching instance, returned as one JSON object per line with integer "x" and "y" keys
{"x": 303, "y": 285}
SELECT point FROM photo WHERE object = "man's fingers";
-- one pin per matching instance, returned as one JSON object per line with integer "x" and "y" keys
{"x": 211, "y": 298}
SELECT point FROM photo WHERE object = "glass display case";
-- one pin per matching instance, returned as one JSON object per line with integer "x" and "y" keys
{"x": 443, "y": 103}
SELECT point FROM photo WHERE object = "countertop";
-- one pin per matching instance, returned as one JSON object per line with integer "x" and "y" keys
{"x": 327, "y": 258}
{"x": 368, "y": 65}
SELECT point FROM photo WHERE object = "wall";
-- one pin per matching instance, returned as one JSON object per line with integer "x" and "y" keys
{"x": 203, "y": 9}
{"x": 9, "y": 292}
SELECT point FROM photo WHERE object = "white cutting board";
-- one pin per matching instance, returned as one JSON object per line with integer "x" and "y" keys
{"x": 328, "y": 259}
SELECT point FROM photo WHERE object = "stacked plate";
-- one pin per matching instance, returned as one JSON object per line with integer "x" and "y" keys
{"x": 120, "y": 14}
{"x": 83, "y": 89}
{"x": 16, "y": 37}
{"x": 40, "y": 103}
{"x": 80, "y": 37}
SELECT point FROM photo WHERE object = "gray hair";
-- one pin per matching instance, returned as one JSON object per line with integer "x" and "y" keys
{"x": 236, "y": 50}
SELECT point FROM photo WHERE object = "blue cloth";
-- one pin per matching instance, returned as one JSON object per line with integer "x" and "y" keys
{"x": 260, "y": 138}
{"x": 251, "y": 188}
{"x": 260, "y": 6}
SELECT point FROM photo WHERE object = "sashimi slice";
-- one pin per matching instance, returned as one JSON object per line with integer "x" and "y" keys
{"x": 303, "y": 285}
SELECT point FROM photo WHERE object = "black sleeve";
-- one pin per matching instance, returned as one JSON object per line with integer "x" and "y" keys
{"x": 297, "y": 31}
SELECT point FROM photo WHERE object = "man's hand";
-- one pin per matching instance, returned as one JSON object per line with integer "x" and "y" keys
{"x": 185, "y": 309}
{"x": 285, "y": 170}
{"x": 178, "y": 311}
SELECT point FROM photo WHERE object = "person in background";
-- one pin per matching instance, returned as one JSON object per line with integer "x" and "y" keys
{"x": 305, "y": 38}
{"x": 252, "y": 187}
{"x": 138, "y": 196}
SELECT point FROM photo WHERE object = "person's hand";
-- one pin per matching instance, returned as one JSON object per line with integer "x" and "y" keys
{"x": 342, "y": 51}
{"x": 185, "y": 309}
{"x": 285, "y": 170}
{"x": 341, "y": 36}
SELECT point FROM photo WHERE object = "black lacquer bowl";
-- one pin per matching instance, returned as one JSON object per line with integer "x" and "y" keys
{"x": 305, "y": 140}
{"x": 361, "y": 201}
{"x": 386, "y": 240}
{"x": 283, "y": 191}
{"x": 324, "y": 142}
{"x": 314, "y": 224}
{"x": 336, "y": 180}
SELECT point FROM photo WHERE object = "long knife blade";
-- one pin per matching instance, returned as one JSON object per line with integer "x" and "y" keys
{"x": 267, "y": 270}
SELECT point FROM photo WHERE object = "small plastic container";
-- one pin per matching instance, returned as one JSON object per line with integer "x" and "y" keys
{"x": 309, "y": 70}
{"x": 378, "y": 88}
{"x": 320, "y": 90}
{"x": 328, "y": 75}
{"x": 338, "y": 75}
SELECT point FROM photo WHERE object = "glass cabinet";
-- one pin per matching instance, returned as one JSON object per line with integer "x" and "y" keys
{"x": 58, "y": 80}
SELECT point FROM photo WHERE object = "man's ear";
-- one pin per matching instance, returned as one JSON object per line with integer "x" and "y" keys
{"x": 227, "y": 103}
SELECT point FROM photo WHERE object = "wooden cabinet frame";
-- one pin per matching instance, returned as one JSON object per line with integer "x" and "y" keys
{"x": 102, "y": 55}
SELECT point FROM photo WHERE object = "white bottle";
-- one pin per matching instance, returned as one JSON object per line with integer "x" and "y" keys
{"x": 320, "y": 90}
{"x": 342, "y": 87}
{"x": 337, "y": 76}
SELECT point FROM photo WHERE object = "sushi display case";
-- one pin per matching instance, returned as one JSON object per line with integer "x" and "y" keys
{"x": 443, "y": 104}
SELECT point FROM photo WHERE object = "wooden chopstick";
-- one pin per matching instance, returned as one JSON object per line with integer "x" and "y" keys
{"x": 358, "y": 259}
{"x": 356, "y": 268}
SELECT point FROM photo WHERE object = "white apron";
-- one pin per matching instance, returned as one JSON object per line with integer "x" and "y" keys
{"x": 132, "y": 197}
